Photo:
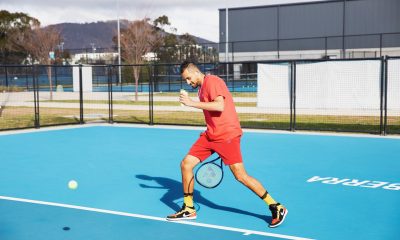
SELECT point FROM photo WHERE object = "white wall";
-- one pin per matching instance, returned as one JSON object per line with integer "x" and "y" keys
{"x": 273, "y": 86}
{"x": 338, "y": 85}
{"x": 332, "y": 87}
{"x": 393, "y": 94}
{"x": 86, "y": 78}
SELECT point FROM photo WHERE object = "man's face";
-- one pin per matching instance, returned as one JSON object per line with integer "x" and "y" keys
{"x": 191, "y": 77}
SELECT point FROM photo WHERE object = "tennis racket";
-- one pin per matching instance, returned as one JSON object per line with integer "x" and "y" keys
{"x": 210, "y": 174}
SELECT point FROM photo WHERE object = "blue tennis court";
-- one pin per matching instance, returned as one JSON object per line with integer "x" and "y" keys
{"x": 335, "y": 187}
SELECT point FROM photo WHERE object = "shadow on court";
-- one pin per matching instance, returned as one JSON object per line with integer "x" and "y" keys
{"x": 174, "y": 192}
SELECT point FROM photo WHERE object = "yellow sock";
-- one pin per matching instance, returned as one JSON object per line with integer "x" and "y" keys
{"x": 268, "y": 199}
{"x": 188, "y": 199}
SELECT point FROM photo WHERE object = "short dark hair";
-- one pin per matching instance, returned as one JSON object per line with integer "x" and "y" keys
{"x": 186, "y": 64}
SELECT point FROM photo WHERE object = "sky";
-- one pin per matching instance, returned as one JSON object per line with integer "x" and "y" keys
{"x": 196, "y": 17}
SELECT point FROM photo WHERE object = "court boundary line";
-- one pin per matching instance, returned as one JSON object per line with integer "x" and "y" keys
{"x": 245, "y": 232}
{"x": 201, "y": 128}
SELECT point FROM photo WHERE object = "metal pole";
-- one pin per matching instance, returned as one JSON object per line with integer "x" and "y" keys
{"x": 36, "y": 97}
{"x": 80, "y": 95}
{"x": 5, "y": 69}
{"x": 119, "y": 46}
{"x": 294, "y": 96}
{"x": 227, "y": 42}
{"x": 291, "y": 97}
{"x": 278, "y": 33}
{"x": 26, "y": 78}
{"x": 386, "y": 95}
{"x": 381, "y": 96}
{"x": 326, "y": 47}
{"x": 169, "y": 77}
{"x": 110, "y": 97}
{"x": 344, "y": 30}
{"x": 204, "y": 53}
{"x": 55, "y": 74}
{"x": 380, "y": 45}
{"x": 151, "y": 100}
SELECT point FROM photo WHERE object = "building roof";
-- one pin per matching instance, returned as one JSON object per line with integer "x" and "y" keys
{"x": 286, "y": 4}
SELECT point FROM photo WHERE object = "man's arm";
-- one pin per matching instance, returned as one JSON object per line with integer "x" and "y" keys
{"x": 217, "y": 105}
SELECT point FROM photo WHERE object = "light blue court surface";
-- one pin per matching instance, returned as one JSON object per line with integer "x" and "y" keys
{"x": 335, "y": 187}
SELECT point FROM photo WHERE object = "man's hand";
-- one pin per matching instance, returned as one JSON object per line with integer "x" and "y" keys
{"x": 217, "y": 105}
{"x": 185, "y": 99}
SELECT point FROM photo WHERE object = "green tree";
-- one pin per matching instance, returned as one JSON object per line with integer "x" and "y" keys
{"x": 39, "y": 42}
{"x": 188, "y": 47}
{"x": 166, "y": 51}
{"x": 169, "y": 47}
{"x": 12, "y": 25}
{"x": 161, "y": 22}
{"x": 174, "y": 48}
{"x": 137, "y": 40}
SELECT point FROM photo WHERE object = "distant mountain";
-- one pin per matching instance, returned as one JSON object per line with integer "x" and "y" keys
{"x": 84, "y": 35}
{"x": 97, "y": 34}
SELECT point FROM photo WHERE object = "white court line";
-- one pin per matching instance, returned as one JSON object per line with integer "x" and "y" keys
{"x": 244, "y": 231}
{"x": 200, "y": 128}
{"x": 47, "y": 129}
{"x": 252, "y": 130}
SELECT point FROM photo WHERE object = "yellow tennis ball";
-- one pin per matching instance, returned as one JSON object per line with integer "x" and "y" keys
{"x": 72, "y": 184}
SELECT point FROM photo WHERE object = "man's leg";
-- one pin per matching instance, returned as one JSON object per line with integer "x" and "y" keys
{"x": 253, "y": 184}
{"x": 188, "y": 211}
{"x": 187, "y": 166}
{"x": 278, "y": 211}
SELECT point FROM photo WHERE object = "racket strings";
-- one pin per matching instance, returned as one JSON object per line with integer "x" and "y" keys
{"x": 209, "y": 175}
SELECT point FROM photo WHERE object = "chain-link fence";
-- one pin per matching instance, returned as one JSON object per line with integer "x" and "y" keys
{"x": 353, "y": 95}
{"x": 17, "y": 108}
{"x": 392, "y": 96}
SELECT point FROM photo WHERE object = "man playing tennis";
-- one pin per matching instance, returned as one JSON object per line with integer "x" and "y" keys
{"x": 222, "y": 136}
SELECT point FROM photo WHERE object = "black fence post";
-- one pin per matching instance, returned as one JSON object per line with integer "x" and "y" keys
{"x": 110, "y": 95}
{"x": 294, "y": 96}
{"x": 151, "y": 90}
{"x": 80, "y": 95}
{"x": 55, "y": 75}
{"x": 181, "y": 81}
{"x": 157, "y": 72}
{"x": 36, "y": 97}
{"x": 326, "y": 47}
{"x": 26, "y": 78}
{"x": 226, "y": 73}
{"x": 382, "y": 98}
{"x": 6, "y": 71}
{"x": 233, "y": 51}
{"x": 344, "y": 30}
{"x": 291, "y": 97}
{"x": 386, "y": 93}
{"x": 204, "y": 49}
{"x": 233, "y": 79}
{"x": 169, "y": 77}
{"x": 119, "y": 77}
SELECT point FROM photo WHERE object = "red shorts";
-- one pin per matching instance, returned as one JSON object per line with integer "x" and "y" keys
{"x": 229, "y": 150}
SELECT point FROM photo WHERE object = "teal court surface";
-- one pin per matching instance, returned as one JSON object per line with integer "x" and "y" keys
{"x": 335, "y": 187}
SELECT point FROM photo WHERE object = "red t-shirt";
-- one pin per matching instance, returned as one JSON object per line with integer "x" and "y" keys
{"x": 221, "y": 126}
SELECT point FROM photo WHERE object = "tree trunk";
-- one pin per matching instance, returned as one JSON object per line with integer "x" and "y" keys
{"x": 50, "y": 82}
{"x": 136, "y": 72}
